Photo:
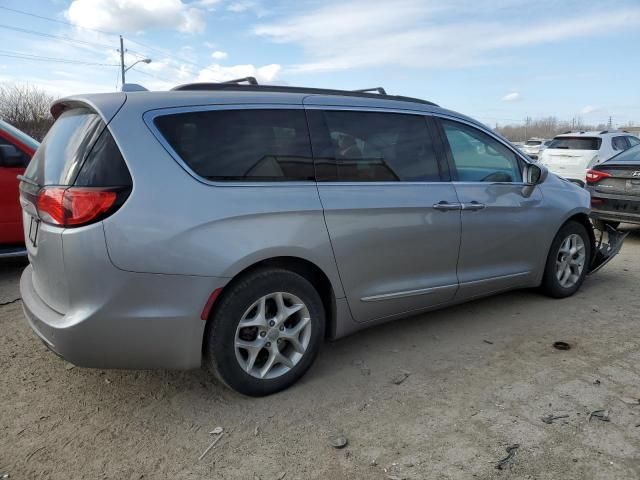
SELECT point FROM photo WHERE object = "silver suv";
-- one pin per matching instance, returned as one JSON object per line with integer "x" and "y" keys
{"x": 237, "y": 226}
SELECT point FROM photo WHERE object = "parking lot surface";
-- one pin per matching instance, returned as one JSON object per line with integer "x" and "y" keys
{"x": 479, "y": 378}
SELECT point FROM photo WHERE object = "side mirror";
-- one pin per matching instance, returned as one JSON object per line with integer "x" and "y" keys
{"x": 10, "y": 156}
{"x": 534, "y": 174}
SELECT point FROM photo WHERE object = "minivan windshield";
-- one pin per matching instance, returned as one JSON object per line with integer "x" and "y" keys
{"x": 57, "y": 160}
{"x": 576, "y": 143}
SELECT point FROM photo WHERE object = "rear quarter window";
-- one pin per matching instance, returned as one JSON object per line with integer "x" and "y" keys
{"x": 241, "y": 145}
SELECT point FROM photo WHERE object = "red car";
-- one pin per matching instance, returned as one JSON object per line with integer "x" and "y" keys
{"x": 16, "y": 149}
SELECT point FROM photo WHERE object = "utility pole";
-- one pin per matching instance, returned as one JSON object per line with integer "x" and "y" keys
{"x": 122, "y": 59}
{"x": 124, "y": 69}
{"x": 610, "y": 124}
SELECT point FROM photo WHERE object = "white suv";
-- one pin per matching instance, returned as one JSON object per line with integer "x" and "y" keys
{"x": 535, "y": 146}
{"x": 570, "y": 155}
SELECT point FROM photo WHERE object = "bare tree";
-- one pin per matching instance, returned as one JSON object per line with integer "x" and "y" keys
{"x": 26, "y": 107}
{"x": 547, "y": 127}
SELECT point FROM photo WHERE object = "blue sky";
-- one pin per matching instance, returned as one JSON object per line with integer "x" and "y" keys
{"x": 498, "y": 61}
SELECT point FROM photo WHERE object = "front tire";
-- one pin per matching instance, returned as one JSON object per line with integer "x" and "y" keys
{"x": 568, "y": 261}
{"x": 266, "y": 332}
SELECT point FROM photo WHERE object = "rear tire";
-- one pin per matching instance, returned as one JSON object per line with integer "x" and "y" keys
{"x": 255, "y": 312}
{"x": 568, "y": 261}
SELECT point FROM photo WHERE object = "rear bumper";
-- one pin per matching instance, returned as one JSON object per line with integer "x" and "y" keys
{"x": 626, "y": 210}
{"x": 615, "y": 217}
{"x": 144, "y": 321}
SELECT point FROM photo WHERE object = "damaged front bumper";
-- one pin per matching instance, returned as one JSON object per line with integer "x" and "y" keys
{"x": 605, "y": 251}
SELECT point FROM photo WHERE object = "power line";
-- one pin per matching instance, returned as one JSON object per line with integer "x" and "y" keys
{"x": 15, "y": 10}
{"x": 153, "y": 75}
{"x": 164, "y": 52}
{"x": 26, "y": 56}
{"x": 58, "y": 37}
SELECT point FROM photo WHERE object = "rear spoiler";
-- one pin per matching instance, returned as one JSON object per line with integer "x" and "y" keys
{"x": 604, "y": 252}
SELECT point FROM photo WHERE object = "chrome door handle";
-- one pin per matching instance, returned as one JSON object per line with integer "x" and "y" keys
{"x": 473, "y": 206}
{"x": 446, "y": 206}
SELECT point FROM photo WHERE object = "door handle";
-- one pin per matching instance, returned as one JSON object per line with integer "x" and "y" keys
{"x": 473, "y": 206}
{"x": 446, "y": 206}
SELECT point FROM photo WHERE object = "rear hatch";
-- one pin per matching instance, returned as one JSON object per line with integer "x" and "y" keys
{"x": 623, "y": 179}
{"x": 571, "y": 156}
{"x": 69, "y": 159}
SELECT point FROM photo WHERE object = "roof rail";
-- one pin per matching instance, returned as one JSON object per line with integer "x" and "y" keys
{"x": 249, "y": 80}
{"x": 379, "y": 90}
{"x": 204, "y": 86}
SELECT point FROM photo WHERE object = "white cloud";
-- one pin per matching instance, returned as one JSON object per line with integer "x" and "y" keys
{"x": 512, "y": 97}
{"x": 239, "y": 7}
{"x": 136, "y": 15}
{"x": 219, "y": 55}
{"x": 219, "y": 73}
{"x": 590, "y": 109}
{"x": 426, "y": 33}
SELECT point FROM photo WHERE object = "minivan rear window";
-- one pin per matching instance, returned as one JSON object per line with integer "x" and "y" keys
{"x": 65, "y": 146}
{"x": 242, "y": 145}
{"x": 576, "y": 143}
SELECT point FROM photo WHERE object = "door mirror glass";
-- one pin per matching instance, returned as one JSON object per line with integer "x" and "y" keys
{"x": 10, "y": 156}
{"x": 533, "y": 174}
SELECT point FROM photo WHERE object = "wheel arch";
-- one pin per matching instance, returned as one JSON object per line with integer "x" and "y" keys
{"x": 303, "y": 267}
{"x": 584, "y": 219}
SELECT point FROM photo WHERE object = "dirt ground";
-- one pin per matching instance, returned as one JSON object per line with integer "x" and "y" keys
{"x": 465, "y": 401}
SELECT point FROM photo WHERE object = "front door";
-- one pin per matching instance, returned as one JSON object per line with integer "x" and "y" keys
{"x": 502, "y": 224}
{"x": 394, "y": 223}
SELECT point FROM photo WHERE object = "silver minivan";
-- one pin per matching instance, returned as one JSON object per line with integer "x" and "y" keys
{"x": 237, "y": 226}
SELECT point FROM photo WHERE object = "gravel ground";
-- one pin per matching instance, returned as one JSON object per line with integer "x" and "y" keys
{"x": 481, "y": 377}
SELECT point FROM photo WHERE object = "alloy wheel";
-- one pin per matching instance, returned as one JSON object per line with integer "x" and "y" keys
{"x": 570, "y": 260}
{"x": 273, "y": 335}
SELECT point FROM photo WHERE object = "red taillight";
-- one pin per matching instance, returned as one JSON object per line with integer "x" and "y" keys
{"x": 74, "y": 206}
{"x": 594, "y": 176}
{"x": 50, "y": 205}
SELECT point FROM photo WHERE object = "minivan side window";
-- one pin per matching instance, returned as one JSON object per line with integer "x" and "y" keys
{"x": 242, "y": 145}
{"x": 478, "y": 157}
{"x": 358, "y": 146}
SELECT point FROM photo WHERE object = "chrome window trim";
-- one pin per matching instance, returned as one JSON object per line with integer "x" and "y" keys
{"x": 359, "y": 108}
